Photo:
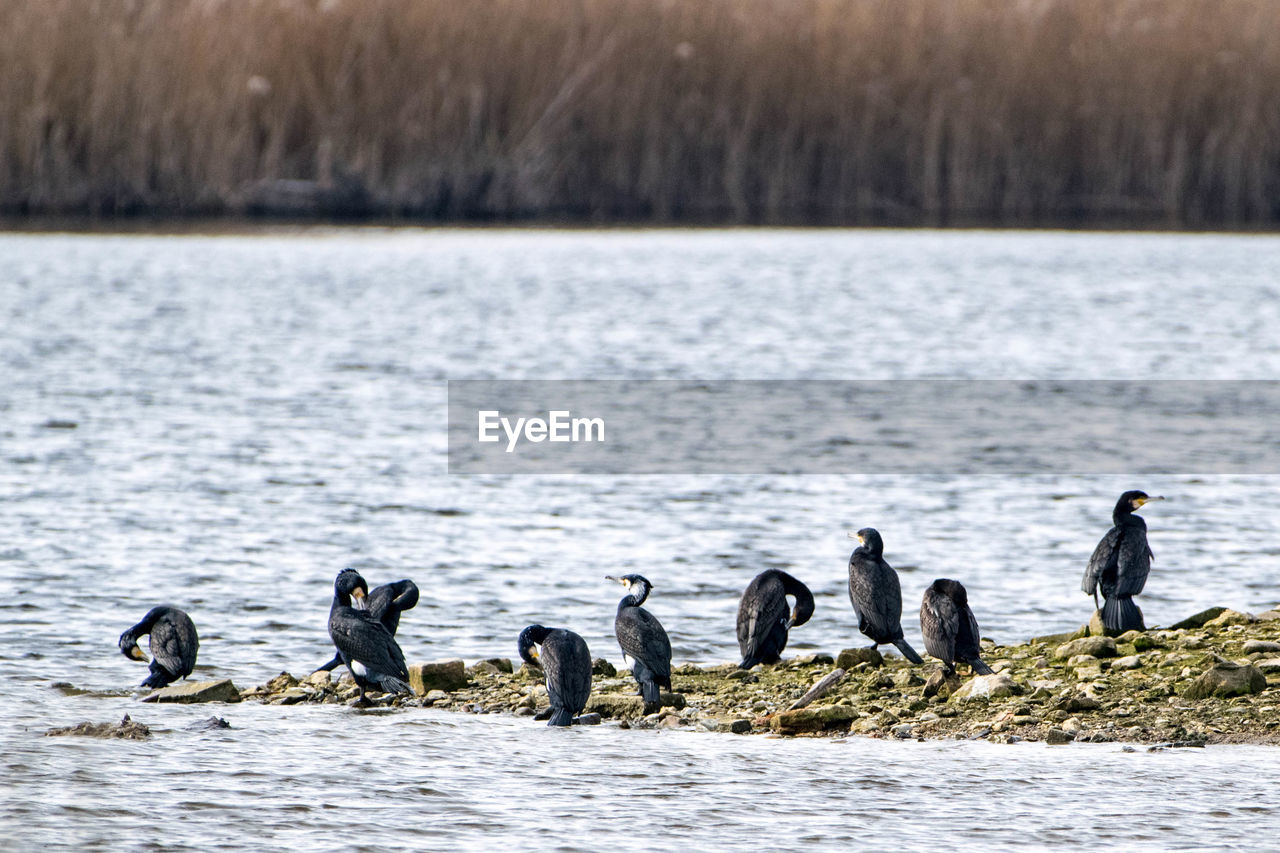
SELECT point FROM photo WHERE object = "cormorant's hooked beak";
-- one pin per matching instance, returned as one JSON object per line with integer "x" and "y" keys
{"x": 138, "y": 654}
{"x": 622, "y": 581}
{"x": 358, "y": 600}
{"x": 857, "y": 536}
{"x": 1140, "y": 501}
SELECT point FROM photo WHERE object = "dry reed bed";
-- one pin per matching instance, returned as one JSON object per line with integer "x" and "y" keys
{"x": 1159, "y": 112}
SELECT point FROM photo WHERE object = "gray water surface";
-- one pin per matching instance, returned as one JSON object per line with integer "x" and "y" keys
{"x": 253, "y": 413}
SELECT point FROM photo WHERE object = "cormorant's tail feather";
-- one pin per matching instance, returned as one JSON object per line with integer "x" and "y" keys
{"x": 331, "y": 665}
{"x": 391, "y": 684}
{"x": 907, "y": 652}
{"x": 561, "y": 717}
{"x": 1121, "y": 614}
{"x": 980, "y": 667}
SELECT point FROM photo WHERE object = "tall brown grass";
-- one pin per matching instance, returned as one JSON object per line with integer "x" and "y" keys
{"x": 795, "y": 111}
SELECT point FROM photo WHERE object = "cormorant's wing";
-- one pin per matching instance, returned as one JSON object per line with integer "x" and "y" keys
{"x": 877, "y": 597}
{"x": 567, "y": 664}
{"x": 763, "y": 606}
{"x": 1134, "y": 562}
{"x": 939, "y": 623}
{"x": 968, "y": 641}
{"x": 388, "y": 601}
{"x": 166, "y": 646}
{"x": 642, "y": 636}
{"x": 1104, "y": 558}
{"x": 362, "y": 638}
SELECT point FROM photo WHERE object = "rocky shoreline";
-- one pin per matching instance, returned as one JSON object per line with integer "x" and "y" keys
{"x": 1212, "y": 678}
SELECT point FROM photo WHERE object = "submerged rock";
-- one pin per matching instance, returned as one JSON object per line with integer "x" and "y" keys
{"x": 1227, "y": 679}
{"x": 126, "y": 729}
{"x": 190, "y": 692}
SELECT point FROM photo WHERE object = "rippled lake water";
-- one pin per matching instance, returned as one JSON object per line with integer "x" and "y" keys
{"x": 223, "y": 422}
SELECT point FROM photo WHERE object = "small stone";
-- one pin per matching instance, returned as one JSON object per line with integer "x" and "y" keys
{"x": 1227, "y": 679}
{"x": 929, "y": 717}
{"x": 602, "y": 667}
{"x": 502, "y": 664}
{"x": 1025, "y": 720}
{"x": 281, "y": 683}
{"x": 813, "y": 719}
{"x": 850, "y": 658}
{"x": 1074, "y": 704}
{"x": 941, "y": 684}
{"x": 1057, "y": 737}
{"x": 320, "y": 678}
{"x": 188, "y": 692}
{"x": 1227, "y": 618}
{"x": 588, "y": 720}
{"x": 1096, "y": 647}
{"x": 672, "y": 721}
{"x": 292, "y": 696}
{"x": 672, "y": 700}
{"x": 1130, "y": 662}
{"x": 903, "y": 731}
{"x": 525, "y": 712}
{"x": 1255, "y": 646}
{"x": 740, "y": 727}
{"x": 907, "y": 678}
{"x": 442, "y": 675}
{"x": 1072, "y": 725}
{"x": 1199, "y": 619}
{"x": 616, "y": 707}
{"x": 1268, "y": 616}
{"x": 483, "y": 667}
{"x": 743, "y": 675}
{"x": 1270, "y": 666}
{"x": 1140, "y": 641}
{"x": 988, "y": 687}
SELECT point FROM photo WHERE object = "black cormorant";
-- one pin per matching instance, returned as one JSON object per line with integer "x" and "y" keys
{"x": 173, "y": 642}
{"x": 385, "y": 603}
{"x": 566, "y": 664}
{"x": 876, "y": 594}
{"x": 949, "y": 627}
{"x": 645, "y": 646}
{"x": 364, "y": 644}
{"x": 763, "y": 617}
{"x": 1120, "y": 565}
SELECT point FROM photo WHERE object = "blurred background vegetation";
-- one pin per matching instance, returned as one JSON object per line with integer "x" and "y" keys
{"x": 1153, "y": 113}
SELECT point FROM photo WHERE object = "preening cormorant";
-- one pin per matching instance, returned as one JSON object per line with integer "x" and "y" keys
{"x": 385, "y": 603}
{"x": 876, "y": 594}
{"x": 364, "y": 644}
{"x": 1120, "y": 565}
{"x": 763, "y": 617}
{"x": 566, "y": 665}
{"x": 645, "y": 646}
{"x": 949, "y": 627}
{"x": 173, "y": 642}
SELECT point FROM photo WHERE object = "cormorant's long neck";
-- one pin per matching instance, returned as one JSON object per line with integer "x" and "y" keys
{"x": 633, "y": 600}
{"x": 804, "y": 599}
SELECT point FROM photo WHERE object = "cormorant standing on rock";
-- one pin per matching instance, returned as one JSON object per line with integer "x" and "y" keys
{"x": 385, "y": 603}
{"x": 173, "y": 642}
{"x": 763, "y": 619}
{"x": 949, "y": 627}
{"x": 876, "y": 594}
{"x": 566, "y": 665}
{"x": 645, "y": 646}
{"x": 1120, "y": 565}
{"x": 364, "y": 644}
